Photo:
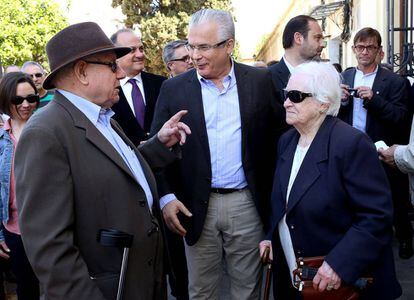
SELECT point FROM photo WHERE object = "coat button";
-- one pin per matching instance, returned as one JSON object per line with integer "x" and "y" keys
{"x": 142, "y": 203}
{"x": 150, "y": 262}
{"x": 292, "y": 227}
{"x": 298, "y": 252}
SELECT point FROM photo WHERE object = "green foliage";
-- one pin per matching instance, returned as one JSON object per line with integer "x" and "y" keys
{"x": 162, "y": 21}
{"x": 25, "y": 28}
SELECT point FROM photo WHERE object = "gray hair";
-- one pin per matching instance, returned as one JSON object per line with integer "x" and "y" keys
{"x": 32, "y": 63}
{"x": 169, "y": 50}
{"x": 114, "y": 37}
{"x": 324, "y": 82}
{"x": 221, "y": 17}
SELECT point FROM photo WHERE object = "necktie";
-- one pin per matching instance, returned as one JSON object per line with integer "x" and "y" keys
{"x": 138, "y": 101}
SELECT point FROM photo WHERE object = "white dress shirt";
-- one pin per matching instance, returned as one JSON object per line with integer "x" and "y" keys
{"x": 359, "y": 114}
{"x": 127, "y": 89}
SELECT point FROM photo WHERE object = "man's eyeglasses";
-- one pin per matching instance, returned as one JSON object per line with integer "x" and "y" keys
{"x": 31, "y": 99}
{"x": 36, "y": 75}
{"x": 204, "y": 47}
{"x": 296, "y": 96}
{"x": 113, "y": 65}
{"x": 183, "y": 59}
{"x": 361, "y": 48}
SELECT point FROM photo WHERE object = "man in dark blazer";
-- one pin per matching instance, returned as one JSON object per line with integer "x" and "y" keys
{"x": 379, "y": 107}
{"x": 149, "y": 85}
{"x": 222, "y": 185}
{"x": 78, "y": 173}
{"x": 303, "y": 41}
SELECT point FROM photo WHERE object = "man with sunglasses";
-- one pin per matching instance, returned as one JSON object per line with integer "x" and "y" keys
{"x": 78, "y": 174}
{"x": 218, "y": 195}
{"x": 303, "y": 41}
{"x": 176, "y": 58}
{"x": 375, "y": 101}
{"x": 37, "y": 73}
{"x": 138, "y": 90}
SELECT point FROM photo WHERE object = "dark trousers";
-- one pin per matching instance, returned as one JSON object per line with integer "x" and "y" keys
{"x": 178, "y": 277}
{"x": 401, "y": 201}
{"x": 27, "y": 282}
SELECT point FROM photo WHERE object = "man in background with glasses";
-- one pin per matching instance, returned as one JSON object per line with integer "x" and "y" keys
{"x": 218, "y": 198}
{"x": 375, "y": 101}
{"x": 138, "y": 90}
{"x": 38, "y": 74}
{"x": 176, "y": 58}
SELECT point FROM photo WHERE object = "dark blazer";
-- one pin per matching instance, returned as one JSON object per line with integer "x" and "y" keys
{"x": 280, "y": 77}
{"x": 71, "y": 183}
{"x": 261, "y": 119}
{"x": 388, "y": 113}
{"x": 125, "y": 116}
{"x": 339, "y": 207}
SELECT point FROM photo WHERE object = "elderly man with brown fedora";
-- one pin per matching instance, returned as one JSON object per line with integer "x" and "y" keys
{"x": 78, "y": 174}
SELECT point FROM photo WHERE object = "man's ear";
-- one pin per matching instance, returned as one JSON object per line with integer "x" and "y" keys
{"x": 298, "y": 38}
{"x": 169, "y": 65}
{"x": 80, "y": 72}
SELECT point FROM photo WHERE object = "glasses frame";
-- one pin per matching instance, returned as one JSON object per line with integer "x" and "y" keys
{"x": 369, "y": 48}
{"x": 17, "y": 100}
{"x": 204, "y": 47}
{"x": 296, "y": 96}
{"x": 112, "y": 65}
{"x": 36, "y": 75}
{"x": 185, "y": 58}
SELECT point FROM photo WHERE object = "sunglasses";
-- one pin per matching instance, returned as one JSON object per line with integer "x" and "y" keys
{"x": 183, "y": 59}
{"x": 113, "y": 65}
{"x": 19, "y": 100}
{"x": 36, "y": 75}
{"x": 296, "y": 96}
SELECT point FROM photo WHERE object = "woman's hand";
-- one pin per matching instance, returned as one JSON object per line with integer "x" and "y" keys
{"x": 326, "y": 279}
{"x": 262, "y": 247}
{"x": 4, "y": 250}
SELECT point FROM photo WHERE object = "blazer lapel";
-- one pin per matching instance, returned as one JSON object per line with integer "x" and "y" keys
{"x": 145, "y": 167}
{"x": 244, "y": 91}
{"x": 309, "y": 171}
{"x": 379, "y": 82}
{"x": 92, "y": 133}
{"x": 284, "y": 73}
{"x": 194, "y": 102}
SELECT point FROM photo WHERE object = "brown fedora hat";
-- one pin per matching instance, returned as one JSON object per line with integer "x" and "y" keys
{"x": 75, "y": 42}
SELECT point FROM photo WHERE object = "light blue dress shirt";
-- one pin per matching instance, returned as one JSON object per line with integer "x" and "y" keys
{"x": 100, "y": 118}
{"x": 223, "y": 124}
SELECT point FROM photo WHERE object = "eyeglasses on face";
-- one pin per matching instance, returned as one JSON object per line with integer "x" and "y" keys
{"x": 185, "y": 58}
{"x": 369, "y": 48}
{"x": 36, "y": 75}
{"x": 31, "y": 99}
{"x": 203, "y": 47}
{"x": 296, "y": 96}
{"x": 113, "y": 65}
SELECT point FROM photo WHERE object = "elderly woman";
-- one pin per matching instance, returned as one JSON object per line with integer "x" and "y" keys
{"x": 330, "y": 194}
{"x": 18, "y": 99}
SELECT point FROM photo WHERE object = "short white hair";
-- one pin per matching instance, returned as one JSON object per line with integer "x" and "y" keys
{"x": 222, "y": 18}
{"x": 324, "y": 83}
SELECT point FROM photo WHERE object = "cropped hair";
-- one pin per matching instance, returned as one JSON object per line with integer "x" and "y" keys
{"x": 8, "y": 89}
{"x": 222, "y": 18}
{"x": 32, "y": 63}
{"x": 296, "y": 24}
{"x": 367, "y": 33}
{"x": 114, "y": 37}
{"x": 169, "y": 50}
{"x": 324, "y": 82}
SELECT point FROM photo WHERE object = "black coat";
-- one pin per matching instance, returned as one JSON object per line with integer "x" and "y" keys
{"x": 261, "y": 119}
{"x": 280, "y": 77}
{"x": 126, "y": 118}
{"x": 339, "y": 207}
